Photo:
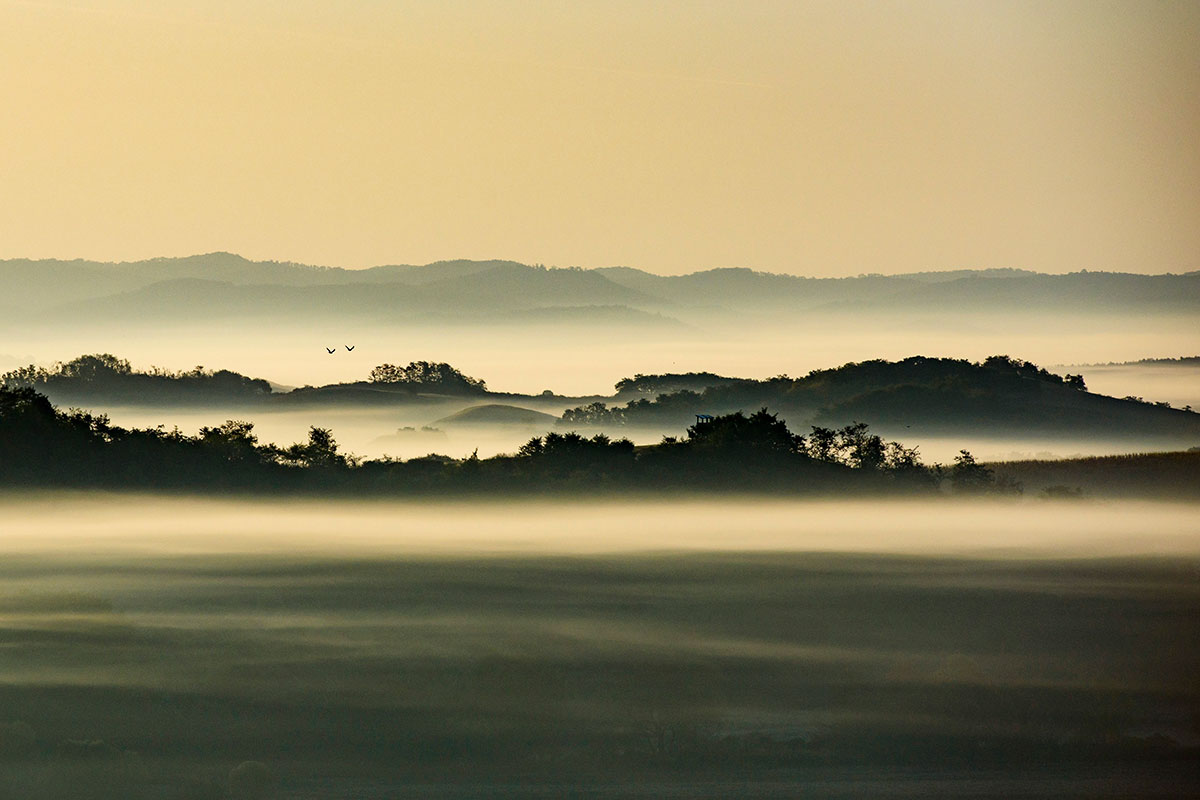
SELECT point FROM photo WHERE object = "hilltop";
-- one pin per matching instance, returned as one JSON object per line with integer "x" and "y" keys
{"x": 999, "y": 396}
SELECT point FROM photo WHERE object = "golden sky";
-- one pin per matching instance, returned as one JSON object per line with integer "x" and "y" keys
{"x": 821, "y": 138}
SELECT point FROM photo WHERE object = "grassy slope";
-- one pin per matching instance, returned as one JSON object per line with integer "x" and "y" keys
{"x": 1157, "y": 475}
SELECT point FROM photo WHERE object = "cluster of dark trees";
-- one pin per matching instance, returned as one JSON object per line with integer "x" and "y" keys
{"x": 997, "y": 393}
{"x": 653, "y": 385}
{"x": 937, "y": 396}
{"x": 427, "y": 374}
{"x": 105, "y": 376}
{"x": 43, "y": 446}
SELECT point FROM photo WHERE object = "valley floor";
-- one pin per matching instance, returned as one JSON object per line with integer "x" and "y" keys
{"x": 152, "y": 647}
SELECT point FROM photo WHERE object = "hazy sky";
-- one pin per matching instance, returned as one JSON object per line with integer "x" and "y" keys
{"x": 819, "y": 138}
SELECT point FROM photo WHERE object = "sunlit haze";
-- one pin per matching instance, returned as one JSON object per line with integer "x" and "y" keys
{"x": 544, "y": 398}
{"x": 997, "y": 529}
{"x": 804, "y": 137}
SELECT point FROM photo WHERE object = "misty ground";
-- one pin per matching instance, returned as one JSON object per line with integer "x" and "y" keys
{"x": 150, "y": 647}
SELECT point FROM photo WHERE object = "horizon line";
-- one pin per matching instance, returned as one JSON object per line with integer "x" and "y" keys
{"x": 860, "y": 275}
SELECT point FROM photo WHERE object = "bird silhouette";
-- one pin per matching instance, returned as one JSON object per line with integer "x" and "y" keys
{"x": 349, "y": 347}
{"x": 330, "y": 350}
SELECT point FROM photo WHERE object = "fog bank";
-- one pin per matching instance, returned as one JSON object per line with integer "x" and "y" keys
{"x": 94, "y": 524}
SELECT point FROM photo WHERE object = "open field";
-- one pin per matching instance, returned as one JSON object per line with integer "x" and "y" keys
{"x": 148, "y": 647}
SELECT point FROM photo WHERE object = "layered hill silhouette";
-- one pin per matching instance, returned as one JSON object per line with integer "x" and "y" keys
{"x": 1000, "y": 396}
{"x": 220, "y": 286}
{"x": 44, "y": 447}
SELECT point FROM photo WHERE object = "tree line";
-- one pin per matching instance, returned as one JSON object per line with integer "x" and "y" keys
{"x": 108, "y": 377}
{"x": 43, "y": 446}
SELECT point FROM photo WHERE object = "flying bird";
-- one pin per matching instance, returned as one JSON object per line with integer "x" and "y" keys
{"x": 330, "y": 350}
{"x": 349, "y": 347}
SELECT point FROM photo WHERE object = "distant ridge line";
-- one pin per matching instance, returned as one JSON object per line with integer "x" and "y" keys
{"x": 228, "y": 258}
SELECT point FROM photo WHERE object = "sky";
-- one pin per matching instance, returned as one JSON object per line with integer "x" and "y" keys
{"x": 815, "y": 138}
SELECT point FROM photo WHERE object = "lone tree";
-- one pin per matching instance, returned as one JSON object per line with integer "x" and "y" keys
{"x": 969, "y": 476}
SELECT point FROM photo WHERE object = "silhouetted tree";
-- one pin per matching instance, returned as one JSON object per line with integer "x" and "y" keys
{"x": 969, "y": 476}
{"x": 593, "y": 414}
{"x": 823, "y": 444}
{"x": 762, "y": 430}
{"x": 900, "y": 458}
{"x": 95, "y": 366}
{"x": 862, "y": 449}
{"x": 319, "y": 451}
{"x": 234, "y": 439}
{"x": 26, "y": 377}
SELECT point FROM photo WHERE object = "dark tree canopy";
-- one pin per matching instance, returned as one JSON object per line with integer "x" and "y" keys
{"x": 968, "y": 476}
{"x": 762, "y": 430}
{"x": 934, "y": 395}
{"x": 104, "y": 376}
{"x": 43, "y": 446}
{"x": 428, "y": 374}
{"x": 671, "y": 382}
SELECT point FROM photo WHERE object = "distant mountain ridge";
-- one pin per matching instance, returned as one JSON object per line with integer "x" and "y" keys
{"x": 222, "y": 285}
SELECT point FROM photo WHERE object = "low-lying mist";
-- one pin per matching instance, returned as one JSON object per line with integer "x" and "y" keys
{"x": 1178, "y": 385}
{"x": 587, "y": 359}
{"x": 157, "y": 647}
{"x": 83, "y": 523}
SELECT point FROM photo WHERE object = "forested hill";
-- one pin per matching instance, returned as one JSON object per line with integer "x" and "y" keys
{"x": 105, "y": 378}
{"x": 1000, "y": 396}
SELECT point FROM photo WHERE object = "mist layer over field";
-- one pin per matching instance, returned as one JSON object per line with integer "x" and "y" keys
{"x": 1175, "y": 384}
{"x": 578, "y": 358}
{"x": 151, "y": 647}
{"x": 56, "y": 524}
